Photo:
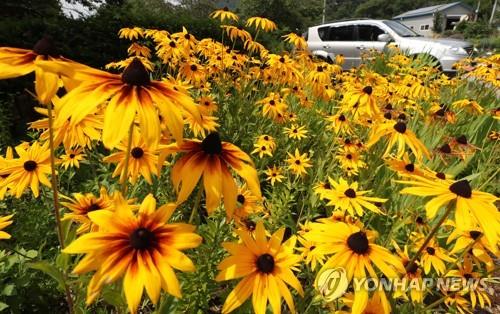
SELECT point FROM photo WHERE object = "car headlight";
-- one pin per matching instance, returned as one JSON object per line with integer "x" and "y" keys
{"x": 458, "y": 51}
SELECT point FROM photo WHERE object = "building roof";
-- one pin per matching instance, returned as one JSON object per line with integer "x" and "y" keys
{"x": 431, "y": 10}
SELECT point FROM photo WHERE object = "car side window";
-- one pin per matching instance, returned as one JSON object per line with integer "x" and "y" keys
{"x": 341, "y": 33}
{"x": 323, "y": 33}
{"x": 369, "y": 32}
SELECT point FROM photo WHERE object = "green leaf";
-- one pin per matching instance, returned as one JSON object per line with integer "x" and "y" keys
{"x": 50, "y": 270}
{"x": 3, "y": 306}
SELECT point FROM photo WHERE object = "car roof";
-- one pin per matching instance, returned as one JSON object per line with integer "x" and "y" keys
{"x": 347, "y": 21}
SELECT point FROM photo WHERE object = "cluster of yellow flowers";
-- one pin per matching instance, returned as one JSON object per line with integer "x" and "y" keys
{"x": 173, "y": 80}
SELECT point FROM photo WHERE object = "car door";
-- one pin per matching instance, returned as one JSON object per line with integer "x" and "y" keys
{"x": 367, "y": 38}
{"x": 340, "y": 40}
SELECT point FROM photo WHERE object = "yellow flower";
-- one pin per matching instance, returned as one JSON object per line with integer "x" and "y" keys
{"x": 296, "y": 132}
{"x": 262, "y": 149}
{"x": 15, "y": 62}
{"x": 353, "y": 249}
{"x": 298, "y": 41}
{"x": 30, "y": 169}
{"x": 212, "y": 159}
{"x": 472, "y": 207}
{"x": 399, "y": 135}
{"x": 262, "y": 23}
{"x": 274, "y": 174}
{"x": 83, "y": 204}
{"x": 4, "y": 222}
{"x": 131, "y": 95}
{"x": 142, "y": 160}
{"x": 72, "y": 158}
{"x": 224, "y": 14}
{"x": 348, "y": 198}
{"x": 133, "y": 33}
{"x": 143, "y": 248}
{"x": 266, "y": 266}
{"x": 298, "y": 163}
{"x": 247, "y": 203}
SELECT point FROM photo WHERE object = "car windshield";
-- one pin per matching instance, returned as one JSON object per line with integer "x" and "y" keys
{"x": 401, "y": 29}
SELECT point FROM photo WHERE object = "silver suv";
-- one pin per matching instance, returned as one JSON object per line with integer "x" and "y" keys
{"x": 351, "y": 38}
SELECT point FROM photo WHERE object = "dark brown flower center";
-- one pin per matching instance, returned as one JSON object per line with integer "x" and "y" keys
{"x": 388, "y": 115}
{"x": 137, "y": 152}
{"x": 350, "y": 193}
{"x": 475, "y": 234}
{"x": 441, "y": 175}
{"x": 194, "y": 67}
{"x": 142, "y": 239}
{"x": 348, "y": 156}
{"x": 462, "y": 140}
{"x": 430, "y": 250}
{"x": 212, "y": 144}
{"x": 419, "y": 220}
{"x": 45, "y": 47}
{"x": 358, "y": 242}
{"x": 342, "y": 118}
{"x": 468, "y": 276}
{"x": 71, "y": 156}
{"x": 30, "y": 165}
{"x": 410, "y": 167}
{"x": 136, "y": 74}
{"x": 282, "y": 60}
{"x": 297, "y": 162}
{"x": 240, "y": 198}
{"x": 93, "y": 207}
{"x": 250, "y": 225}
{"x": 265, "y": 263}
{"x": 400, "y": 127}
{"x": 368, "y": 90}
{"x": 445, "y": 149}
{"x": 461, "y": 188}
{"x": 412, "y": 268}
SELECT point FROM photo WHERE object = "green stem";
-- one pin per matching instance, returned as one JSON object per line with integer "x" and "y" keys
{"x": 434, "y": 304}
{"x": 55, "y": 192}
{"x": 430, "y": 235}
{"x": 124, "y": 175}
{"x": 197, "y": 202}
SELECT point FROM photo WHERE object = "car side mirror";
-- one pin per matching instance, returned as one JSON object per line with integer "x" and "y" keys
{"x": 384, "y": 37}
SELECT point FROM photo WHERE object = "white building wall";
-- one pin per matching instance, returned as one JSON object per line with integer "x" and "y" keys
{"x": 420, "y": 24}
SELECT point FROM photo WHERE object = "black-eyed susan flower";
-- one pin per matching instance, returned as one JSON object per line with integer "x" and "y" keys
{"x": 468, "y": 104}
{"x": 296, "y": 132}
{"x": 81, "y": 134}
{"x": 465, "y": 272}
{"x": 472, "y": 207}
{"x": 262, "y": 149}
{"x": 15, "y": 62}
{"x": 224, "y": 14}
{"x": 298, "y": 163}
{"x": 237, "y": 32}
{"x": 297, "y": 41}
{"x": 412, "y": 281}
{"x": 267, "y": 140}
{"x": 346, "y": 196}
{"x": 83, "y": 204}
{"x": 398, "y": 134}
{"x": 353, "y": 249}
{"x": 261, "y": 23}
{"x": 131, "y": 95}
{"x": 274, "y": 174}
{"x": 142, "y": 160}
{"x": 72, "y": 158}
{"x": 133, "y": 33}
{"x": 404, "y": 167}
{"x": 339, "y": 124}
{"x": 5, "y": 221}
{"x": 363, "y": 98}
{"x": 472, "y": 239}
{"x": 212, "y": 159}
{"x": 29, "y": 170}
{"x": 142, "y": 248}
{"x": 266, "y": 268}
{"x": 207, "y": 105}
{"x": 433, "y": 256}
{"x": 309, "y": 254}
{"x": 247, "y": 204}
